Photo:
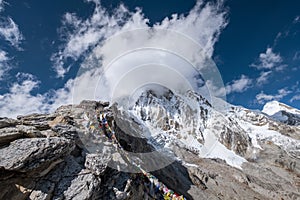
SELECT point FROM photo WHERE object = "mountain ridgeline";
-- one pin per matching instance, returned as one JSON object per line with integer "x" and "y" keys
{"x": 163, "y": 148}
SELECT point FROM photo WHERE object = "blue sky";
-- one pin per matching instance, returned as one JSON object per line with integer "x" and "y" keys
{"x": 255, "y": 45}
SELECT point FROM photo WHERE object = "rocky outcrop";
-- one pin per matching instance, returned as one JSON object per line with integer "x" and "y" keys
{"x": 65, "y": 155}
{"x": 25, "y": 155}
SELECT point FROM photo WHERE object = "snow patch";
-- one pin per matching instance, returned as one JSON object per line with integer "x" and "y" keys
{"x": 214, "y": 149}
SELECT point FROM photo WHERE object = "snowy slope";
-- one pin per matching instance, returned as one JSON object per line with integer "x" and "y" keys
{"x": 260, "y": 128}
{"x": 173, "y": 120}
{"x": 282, "y": 112}
{"x": 274, "y": 107}
{"x": 234, "y": 135}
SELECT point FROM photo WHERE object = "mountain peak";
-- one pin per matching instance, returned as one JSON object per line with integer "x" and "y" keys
{"x": 274, "y": 107}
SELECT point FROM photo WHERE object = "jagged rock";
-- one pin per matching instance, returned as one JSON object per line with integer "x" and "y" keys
{"x": 69, "y": 180}
{"x": 27, "y": 154}
{"x": 67, "y": 131}
{"x": 40, "y": 121}
{"x": 29, "y": 131}
{"x": 10, "y": 134}
{"x": 129, "y": 132}
{"x": 77, "y": 161}
{"x": 7, "y": 122}
{"x": 49, "y": 133}
{"x": 239, "y": 142}
{"x": 61, "y": 120}
{"x": 97, "y": 163}
{"x": 94, "y": 104}
{"x": 120, "y": 195}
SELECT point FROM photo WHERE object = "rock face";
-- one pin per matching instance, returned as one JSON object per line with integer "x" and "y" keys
{"x": 65, "y": 155}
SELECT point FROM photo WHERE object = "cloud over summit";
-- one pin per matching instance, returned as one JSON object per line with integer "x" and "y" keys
{"x": 86, "y": 37}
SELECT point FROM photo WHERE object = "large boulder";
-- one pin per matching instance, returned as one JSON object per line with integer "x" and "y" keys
{"x": 27, "y": 154}
{"x": 9, "y": 134}
{"x": 7, "y": 122}
{"x": 40, "y": 121}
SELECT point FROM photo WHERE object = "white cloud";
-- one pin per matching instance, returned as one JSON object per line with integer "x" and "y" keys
{"x": 297, "y": 56}
{"x": 10, "y": 32}
{"x": 20, "y": 100}
{"x": 263, "y": 77}
{"x": 295, "y": 98}
{"x": 90, "y": 38}
{"x": 81, "y": 35}
{"x": 3, "y": 63}
{"x": 1, "y": 5}
{"x": 263, "y": 98}
{"x": 203, "y": 24}
{"x": 268, "y": 60}
{"x": 296, "y": 20}
{"x": 239, "y": 85}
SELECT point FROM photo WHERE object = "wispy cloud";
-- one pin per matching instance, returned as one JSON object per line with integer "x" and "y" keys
{"x": 268, "y": 60}
{"x": 87, "y": 37}
{"x": 20, "y": 99}
{"x": 297, "y": 56}
{"x": 204, "y": 24}
{"x": 1, "y": 5}
{"x": 81, "y": 35}
{"x": 263, "y": 77}
{"x": 296, "y": 20}
{"x": 263, "y": 98}
{"x": 239, "y": 85}
{"x": 266, "y": 64}
{"x": 3, "y": 63}
{"x": 10, "y": 32}
{"x": 295, "y": 98}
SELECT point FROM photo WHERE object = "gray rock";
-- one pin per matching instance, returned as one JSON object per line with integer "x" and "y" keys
{"x": 97, "y": 163}
{"x": 9, "y": 134}
{"x": 29, "y": 131}
{"x": 40, "y": 121}
{"x": 6, "y": 122}
{"x": 69, "y": 180}
{"x": 66, "y": 166}
{"x": 24, "y": 155}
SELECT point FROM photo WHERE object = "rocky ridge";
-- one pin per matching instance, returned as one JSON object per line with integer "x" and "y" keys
{"x": 50, "y": 156}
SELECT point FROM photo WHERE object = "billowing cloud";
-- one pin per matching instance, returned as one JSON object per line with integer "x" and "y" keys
{"x": 203, "y": 24}
{"x": 263, "y": 98}
{"x": 268, "y": 60}
{"x": 90, "y": 38}
{"x": 20, "y": 99}
{"x": 81, "y": 35}
{"x": 239, "y": 85}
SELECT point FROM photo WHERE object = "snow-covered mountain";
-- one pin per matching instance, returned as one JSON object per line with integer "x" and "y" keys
{"x": 282, "y": 112}
{"x": 234, "y": 136}
{"x": 181, "y": 143}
